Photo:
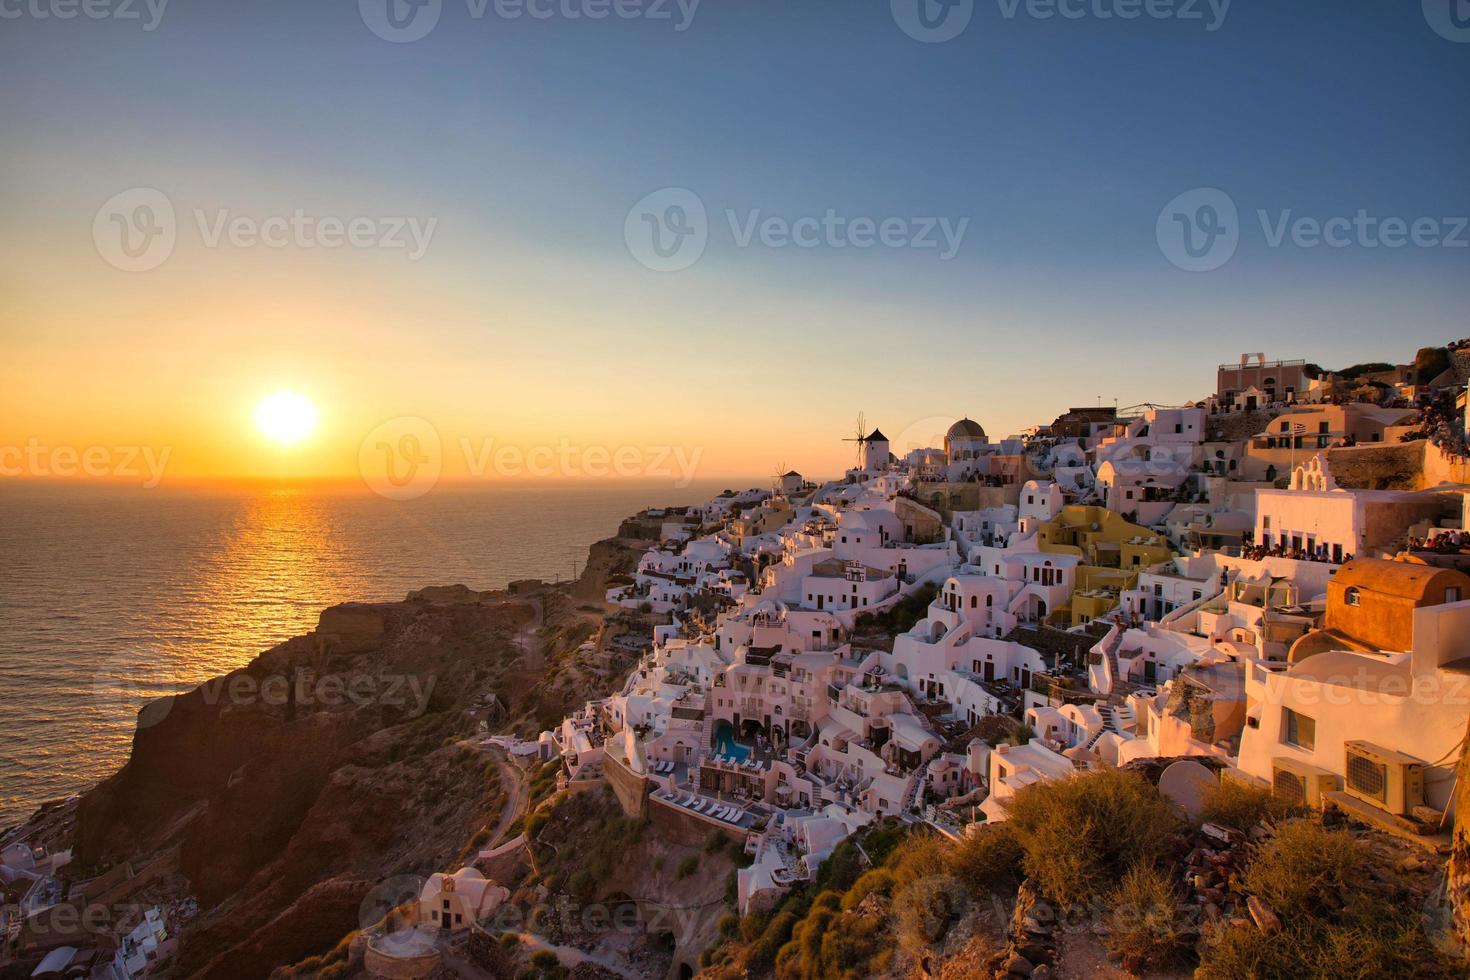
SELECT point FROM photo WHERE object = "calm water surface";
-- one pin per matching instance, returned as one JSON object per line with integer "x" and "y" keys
{"x": 111, "y": 595}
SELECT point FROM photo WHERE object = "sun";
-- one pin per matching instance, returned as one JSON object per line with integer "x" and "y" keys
{"x": 285, "y": 417}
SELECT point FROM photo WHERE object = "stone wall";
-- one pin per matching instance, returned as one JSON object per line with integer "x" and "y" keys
{"x": 1237, "y": 426}
{"x": 681, "y": 826}
{"x": 631, "y": 789}
{"x": 1381, "y": 466}
{"x": 380, "y": 964}
{"x": 350, "y": 628}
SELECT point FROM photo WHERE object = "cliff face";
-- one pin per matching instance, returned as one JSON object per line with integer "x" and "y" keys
{"x": 326, "y": 765}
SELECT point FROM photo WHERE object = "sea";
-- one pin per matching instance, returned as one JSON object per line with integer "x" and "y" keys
{"x": 110, "y": 595}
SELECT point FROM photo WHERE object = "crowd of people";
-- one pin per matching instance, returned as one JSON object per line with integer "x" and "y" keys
{"x": 1445, "y": 543}
{"x": 1281, "y": 549}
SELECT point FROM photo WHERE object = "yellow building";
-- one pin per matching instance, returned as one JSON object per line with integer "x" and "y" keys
{"x": 1113, "y": 551}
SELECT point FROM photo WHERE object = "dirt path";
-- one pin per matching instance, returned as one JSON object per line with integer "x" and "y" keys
{"x": 570, "y": 956}
{"x": 515, "y": 782}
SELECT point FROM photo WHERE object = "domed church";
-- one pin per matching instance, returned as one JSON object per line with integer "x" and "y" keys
{"x": 965, "y": 440}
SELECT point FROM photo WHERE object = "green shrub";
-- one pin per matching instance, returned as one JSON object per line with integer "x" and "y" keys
{"x": 1082, "y": 834}
{"x": 878, "y": 881}
{"x": 687, "y": 866}
{"x": 989, "y": 859}
{"x": 752, "y": 926}
{"x": 729, "y": 925}
{"x": 760, "y": 956}
{"x": 1233, "y": 803}
{"x": 920, "y": 857}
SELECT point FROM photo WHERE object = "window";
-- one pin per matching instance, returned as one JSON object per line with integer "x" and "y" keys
{"x": 1352, "y": 597}
{"x": 1298, "y": 729}
{"x": 1452, "y": 594}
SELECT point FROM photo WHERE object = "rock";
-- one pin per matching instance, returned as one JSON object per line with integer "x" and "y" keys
{"x": 1042, "y": 972}
{"x": 1266, "y": 920}
{"x": 1216, "y": 832}
{"x": 1018, "y": 966}
{"x": 1411, "y": 864}
{"x": 1035, "y": 954}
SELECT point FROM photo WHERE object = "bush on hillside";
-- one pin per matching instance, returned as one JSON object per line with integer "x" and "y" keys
{"x": 1337, "y": 919}
{"x": 989, "y": 859}
{"x": 1145, "y": 924}
{"x": 1232, "y": 803}
{"x": 1082, "y": 835}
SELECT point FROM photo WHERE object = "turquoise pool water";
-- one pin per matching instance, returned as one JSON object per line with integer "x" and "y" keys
{"x": 726, "y": 745}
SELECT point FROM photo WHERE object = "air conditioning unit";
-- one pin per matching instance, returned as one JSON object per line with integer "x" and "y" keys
{"x": 1389, "y": 780}
{"x": 1300, "y": 782}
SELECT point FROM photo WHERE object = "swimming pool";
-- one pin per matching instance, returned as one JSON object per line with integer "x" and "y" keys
{"x": 726, "y": 745}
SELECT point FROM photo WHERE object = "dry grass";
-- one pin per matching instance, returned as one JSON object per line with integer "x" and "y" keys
{"x": 1082, "y": 835}
{"x": 1232, "y": 803}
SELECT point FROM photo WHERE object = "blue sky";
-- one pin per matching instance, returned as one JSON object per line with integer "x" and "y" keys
{"x": 1058, "y": 140}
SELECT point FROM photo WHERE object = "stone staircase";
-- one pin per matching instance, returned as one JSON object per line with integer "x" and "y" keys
{"x": 1117, "y": 716}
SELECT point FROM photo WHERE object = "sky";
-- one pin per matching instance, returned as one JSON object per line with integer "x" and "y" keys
{"x": 659, "y": 229}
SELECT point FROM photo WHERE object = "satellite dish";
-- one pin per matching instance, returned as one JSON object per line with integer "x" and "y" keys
{"x": 1184, "y": 783}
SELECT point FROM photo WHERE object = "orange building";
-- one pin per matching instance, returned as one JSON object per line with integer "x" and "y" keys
{"x": 1371, "y": 603}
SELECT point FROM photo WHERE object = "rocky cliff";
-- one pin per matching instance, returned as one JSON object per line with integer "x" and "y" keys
{"x": 328, "y": 764}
